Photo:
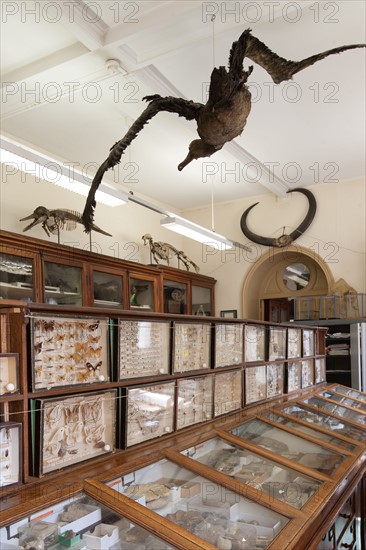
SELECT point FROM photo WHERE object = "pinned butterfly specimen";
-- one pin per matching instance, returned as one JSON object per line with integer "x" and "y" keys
{"x": 93, "y": 326}
{"x": 48, "y": 325}
{"x": 93, "y": 368}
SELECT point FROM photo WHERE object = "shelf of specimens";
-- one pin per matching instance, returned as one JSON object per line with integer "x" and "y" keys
{"x": 66, "y": 351}
{"x": 294, "y": 343}
{"x": 294, "y": 369}
{"x": 227, "y": 392}
{"x": 320, "y": 370}
{"x": 290, "y": 446}
{"x": 191, "y": 346}
{"x": 209, "y": 511}
{"x": 326, "y": 421}
{"x": 332, "y": 408}
{"x": 195, "y": 400}
{"x": 255, "y": 343}
{"x": 277, "y": 343}
{"x": 228, "y": 344}
{"x": 73, "y": 429}
{"x": 323, "y": 437}
{"x": 344, "y": 400}
{"x": 149, "y": 411}
{"x": 10, "y": 441}
{"x": 350, "y": 392}
{"x": 307, "y": 373}
{"x": 263, "y": 381}
{"x": 81, "y": 523}
{"x": 143, "y": 348}
{"x": 280, "y": 482}
{"x": 9, "y": 380}
{"x": 308, "y": 343}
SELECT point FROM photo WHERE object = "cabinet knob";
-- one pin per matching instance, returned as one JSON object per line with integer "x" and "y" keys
{"x": 10, "y": 387}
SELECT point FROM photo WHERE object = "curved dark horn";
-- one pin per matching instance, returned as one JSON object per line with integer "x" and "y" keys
{"x": 266, "y": 241}
{"x": 296, "y": 233}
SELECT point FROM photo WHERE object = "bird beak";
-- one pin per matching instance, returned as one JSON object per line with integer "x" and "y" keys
{"x": 186, "y": 161}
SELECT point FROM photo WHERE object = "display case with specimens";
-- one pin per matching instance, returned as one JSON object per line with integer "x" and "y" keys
{"x": 9, "y": 373}
{"x": 143, "y": 348}
{"x": 194, "y": 400}
{"x": 329, "y": 406}
{"x": 254, "y": 342}
{"x": 228, "y": 395}
{"x": 191, "y": 346}
{"x": 277, "y": 343}
{"x": 228, "y": 344}
{"x": 10, "y": 453}
{"x": 67, "y": 351}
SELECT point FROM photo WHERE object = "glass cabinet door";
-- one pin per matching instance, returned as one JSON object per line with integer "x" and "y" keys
{"x": 202, "y": 507}
{"x": 277, "y": 481}
{"x": 344, "y": 400}
{"x": 175, "y": 297}
{"x": 289, "y": 446}
{"x": 324, "y": 420}
{"x": 62, "y": 284}
{"x": 142, "y": 294}
{"x": 16, "y": 278}
{"x": 350, "y": 392}
{"x": 107, "y": 289}
{"x": 201, "y": 300}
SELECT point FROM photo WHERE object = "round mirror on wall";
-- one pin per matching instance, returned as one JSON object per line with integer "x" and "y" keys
{"x": 296, "y": 276}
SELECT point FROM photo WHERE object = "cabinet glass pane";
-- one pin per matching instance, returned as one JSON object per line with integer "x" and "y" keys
{"x": 289, "y": 446}
{"x": 209, "y": 511}
{"x": 275, "y": 379}
{"x": 255, "y": 343}
{"x": 143, "y": 348}
{"x": 294, "y": 342}
{"x": 320, "y": 370}
{"x": 307, "y": 373}
{"x": 62, "y": 284}
{"x": 294, "y": 369}
{"x": 344, "y": 400}
{"x": 277, "y": 343}
{"x": 16, "y": 278}
{"x": 277, "y": 481}
{"x": 201, "y": 297}
{"x": 228, "y": 392}
{"x": 142, "y": 294}
{"x": 107, "y": 289}
{"x": 323, "y": 420}
{"x": 228, "y": 344}
{"x": 336, "y": 409}
{"x": 326, "y": 438}
{"x": 350, "y": 392}
{"x": 308, "y": 343}
{"x": 175, "y": 297}
{"x": 192, "y": 342}
{"x": 255, "y": 384}
{"x": 81, "y": 523}
{"x": 194, "y": 400}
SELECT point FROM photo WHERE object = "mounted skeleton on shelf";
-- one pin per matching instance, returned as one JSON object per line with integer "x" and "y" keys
{"x": 165, "y": 251}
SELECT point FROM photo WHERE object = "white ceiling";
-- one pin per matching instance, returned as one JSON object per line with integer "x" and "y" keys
{"x": 60, "y": 95}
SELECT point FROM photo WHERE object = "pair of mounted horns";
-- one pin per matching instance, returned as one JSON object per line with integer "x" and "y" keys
{"x": 283, "y": 240}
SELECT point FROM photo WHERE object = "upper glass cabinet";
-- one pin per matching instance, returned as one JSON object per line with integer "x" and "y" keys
{"x": 142, "y": 294}
{"x": 332, "y": 408}
{"x": 201, "y": 300}
{"x": 62, "y": 284}
{"x": 289, "y": 446}
{"x": 323, "y": 420}
{"x": 208, "y": 510}
{"x": 107, "y": 289}
{"x": 16, "y": 278}
{"x": 175, "y": 297}
{"x": 284, "y": 484}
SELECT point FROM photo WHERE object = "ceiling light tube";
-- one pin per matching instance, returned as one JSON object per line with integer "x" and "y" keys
{"x": 52, "y": 171}
{"x": 195, "y": 232}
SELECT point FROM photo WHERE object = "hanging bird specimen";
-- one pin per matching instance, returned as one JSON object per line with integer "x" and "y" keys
{"x": 283, "y": 240}
{"x": 54, "y": 220}
{"x": 224, "y": 115}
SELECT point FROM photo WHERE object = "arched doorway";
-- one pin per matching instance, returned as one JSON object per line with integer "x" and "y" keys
{"x": 280, "y": 274}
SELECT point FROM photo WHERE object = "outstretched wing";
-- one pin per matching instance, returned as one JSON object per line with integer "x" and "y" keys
{"x": 182, "y": 107}
{"x": 279, "y": 68}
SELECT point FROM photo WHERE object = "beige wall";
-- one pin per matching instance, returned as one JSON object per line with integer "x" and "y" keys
{"x": 337, "y": 233}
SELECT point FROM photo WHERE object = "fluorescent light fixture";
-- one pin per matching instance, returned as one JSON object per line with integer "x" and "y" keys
{"x": 196, "y": 232}
{"x": 45, "y": 168}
